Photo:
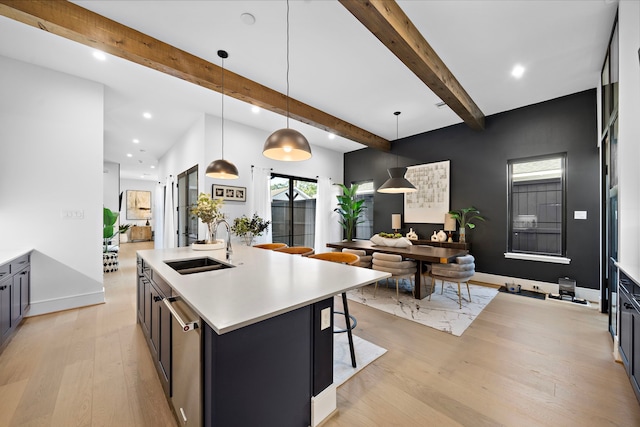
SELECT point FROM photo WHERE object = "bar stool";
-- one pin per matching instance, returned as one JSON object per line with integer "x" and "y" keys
{"x": 271, "y": 246}
{"x": 296, "y": 250}
{"x": 350, "y": 320}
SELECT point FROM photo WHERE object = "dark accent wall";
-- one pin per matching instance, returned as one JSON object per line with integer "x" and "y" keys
{"x": 479, "y": 178}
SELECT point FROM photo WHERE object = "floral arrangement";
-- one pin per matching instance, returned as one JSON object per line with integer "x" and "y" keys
{"x": 249, "y": 228}
{"x": 208, "y": 210}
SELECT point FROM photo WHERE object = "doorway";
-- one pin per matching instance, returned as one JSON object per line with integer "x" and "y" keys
{"x": 187, "y": 199}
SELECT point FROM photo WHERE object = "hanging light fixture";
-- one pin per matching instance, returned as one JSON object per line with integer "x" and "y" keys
{"x": 397, "y": 183}
{"x": 221, "y": 168}
{"x": 287, "y": 144}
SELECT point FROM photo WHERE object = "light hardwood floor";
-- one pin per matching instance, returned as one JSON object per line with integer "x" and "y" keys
{"x": 523, "y": 362}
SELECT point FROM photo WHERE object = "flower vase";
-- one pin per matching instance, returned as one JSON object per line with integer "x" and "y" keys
{"x": 462, "y": 238}
{"x": 248, "y": 239}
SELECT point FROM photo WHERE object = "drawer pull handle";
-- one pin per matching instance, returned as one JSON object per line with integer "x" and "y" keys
{"x": 157, "y": 298}
{"x": 628, "y": 306}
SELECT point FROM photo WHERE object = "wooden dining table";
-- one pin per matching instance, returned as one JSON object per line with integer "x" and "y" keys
{"x": 421, "y": 253}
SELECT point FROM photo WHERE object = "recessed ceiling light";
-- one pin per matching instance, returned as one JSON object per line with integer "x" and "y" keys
{"x": 248, "y": 18}
{"x": 136, "y": 141}
{"x": 100, "y": 56}
{"x": 146, "y": 115}
{"x": 153, "y": 167}
{"x": 332, "y": 136}
{"x": 129, "y": 155}
{"x": 517, "y": 71}
{"x": 255, "y": 109}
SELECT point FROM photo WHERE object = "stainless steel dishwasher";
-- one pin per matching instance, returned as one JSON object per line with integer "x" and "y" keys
{"x": 186, "y": 367}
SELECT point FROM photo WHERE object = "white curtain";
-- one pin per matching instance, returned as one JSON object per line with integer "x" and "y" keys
{"x": 261, "y": 199}
{"x": 169, "y": 221}
{"x": 327, "y": 221}
{"x": 158, "y": 216}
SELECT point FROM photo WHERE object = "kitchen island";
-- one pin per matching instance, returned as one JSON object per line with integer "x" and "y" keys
{"x": 266, "y": 341}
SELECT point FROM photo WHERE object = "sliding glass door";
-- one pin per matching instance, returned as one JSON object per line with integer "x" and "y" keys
{"x": 293, "y": 210}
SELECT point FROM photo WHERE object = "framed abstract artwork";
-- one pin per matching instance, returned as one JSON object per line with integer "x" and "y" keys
{"x": 431, "y": 202}
{"x": 138, "y": 204}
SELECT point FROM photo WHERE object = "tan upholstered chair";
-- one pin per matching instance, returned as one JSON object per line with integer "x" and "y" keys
{"x": 365, "y": 260}
{"x": 350, "y": 320}
{"x": 296, "y": 250}
{"x": 458, "y": 272}
{"x": 271, "y": 246}
{"x": 398, "y": 267}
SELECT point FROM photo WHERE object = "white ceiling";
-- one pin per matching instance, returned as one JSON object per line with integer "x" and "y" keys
{"x": 336, "y": 65}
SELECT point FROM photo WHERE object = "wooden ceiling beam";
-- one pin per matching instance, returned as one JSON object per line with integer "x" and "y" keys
{"x": 394, "y": 29}
{"x": 86, "y": 27}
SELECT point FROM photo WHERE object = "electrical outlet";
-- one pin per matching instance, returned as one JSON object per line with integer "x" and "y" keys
{"x": 536, "y": 287}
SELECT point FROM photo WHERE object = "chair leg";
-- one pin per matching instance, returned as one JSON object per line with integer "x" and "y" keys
{"x": 349, "y": 335}
{"x": 375, "y": 289}
{"x": 459, "y": 296}
{"x": 433, "y": 283}
{"x": 468, "y": 291}
{"x": 397, "y": 291}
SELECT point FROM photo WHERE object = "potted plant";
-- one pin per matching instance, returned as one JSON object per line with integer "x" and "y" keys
{"x": 349, "y": 209}
{"x": 123, "y": 229}
{"x": 208, "y": 210}
{"x": 248, "y": 229}
{"x": 464, "y": 217}
{"x": 109, "y": 257}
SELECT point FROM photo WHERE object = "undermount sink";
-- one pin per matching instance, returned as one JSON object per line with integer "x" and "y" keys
{"x": 197, "y": 265}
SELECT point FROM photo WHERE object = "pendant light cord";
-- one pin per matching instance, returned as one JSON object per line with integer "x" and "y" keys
{"x": 222, "y": 109}
{"x": 397, "y": 114}
{"x": 287, "y": 64}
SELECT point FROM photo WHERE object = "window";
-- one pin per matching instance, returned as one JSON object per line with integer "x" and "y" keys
{"x": 187, "y": 199}
{"x": 365, "y": 191}
{"x": 293, "y": 210}
{"x": 537, "y": 206}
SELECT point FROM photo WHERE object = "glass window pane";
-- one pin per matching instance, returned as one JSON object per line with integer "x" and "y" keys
{"x": 536, "y": 207}
{"x": 365, "y": 191}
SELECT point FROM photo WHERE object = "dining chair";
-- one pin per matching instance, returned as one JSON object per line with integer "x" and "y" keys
{"x": 296, "y": 250}
{"x": 350, "y": 320}
{"x": 398, "y": 267}
{"x": 365, "y": 260}
{"x": 271, "y": 246}
{"x": 458, "y": 272}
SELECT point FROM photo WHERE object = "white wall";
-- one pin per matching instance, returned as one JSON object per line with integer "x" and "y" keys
{"x": 243, "y": 147}
{"x": 629, "y": 138}
{"x": 50, "y": 120}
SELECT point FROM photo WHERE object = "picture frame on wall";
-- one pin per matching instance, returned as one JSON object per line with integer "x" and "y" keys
{"x": 229, "y": 193}
{"x": 138, "y": 204}
{"x": 430, "y": 203}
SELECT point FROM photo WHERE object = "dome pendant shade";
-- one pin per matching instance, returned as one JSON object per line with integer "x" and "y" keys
{"x": 397, "y": 183}
{"x": 222, "y": 169}
{"x": 287, "y": 145}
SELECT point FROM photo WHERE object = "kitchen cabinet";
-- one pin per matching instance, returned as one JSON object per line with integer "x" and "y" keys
{"x": 155, "y": 320}
{"x": 629, "y": 329}
{"x": 15, "y": 291}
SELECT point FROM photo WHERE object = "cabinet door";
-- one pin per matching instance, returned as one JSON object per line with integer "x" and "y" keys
{"x": 164, "y": 349}
{"x": 155, "y": 319}
{"x": 626, "y": 329}
{"x": 25, "y": 290}
{"x": 635, "y": 357}
{"x": 16, "y": 309}
{"x": 5, "y": 308}
{"x": 140, "y": 299}
{"x": 147, "y": 306}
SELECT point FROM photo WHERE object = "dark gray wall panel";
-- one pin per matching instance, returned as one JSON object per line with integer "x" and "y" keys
{"x": 479, "y": 178}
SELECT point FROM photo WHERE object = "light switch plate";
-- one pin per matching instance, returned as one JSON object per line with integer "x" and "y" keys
{"x": 325, "y": 318}
{"x": 579, "y": 214}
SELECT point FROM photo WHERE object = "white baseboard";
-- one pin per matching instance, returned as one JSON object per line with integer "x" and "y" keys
{"x": 534, "y": 285}
{"x": 323, "y": 405}
{"x": 66, "y": 303}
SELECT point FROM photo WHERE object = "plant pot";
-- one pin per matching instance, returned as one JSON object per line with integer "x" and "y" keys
{"x": 110, "y": 262}
{"x": 463, "y": 237}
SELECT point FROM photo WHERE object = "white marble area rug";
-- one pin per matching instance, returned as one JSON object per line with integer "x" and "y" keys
{"x": 442, "y": 312}
{"x": 366, "y": 352}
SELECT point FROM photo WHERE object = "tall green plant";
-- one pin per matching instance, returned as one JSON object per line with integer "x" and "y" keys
{"x": 465, "y": 215}
{"x": 349, "y": 209}
{"x": 109, "y": 219}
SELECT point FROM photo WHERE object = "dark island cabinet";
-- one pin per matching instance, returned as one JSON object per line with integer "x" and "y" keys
{"x": 15, "y": 291}
{"x": 155, "y": 320}
{"x": 629, "y": 329}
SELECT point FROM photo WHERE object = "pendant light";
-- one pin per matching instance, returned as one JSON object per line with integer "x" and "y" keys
{"x": 287, "y": 144}
{"x": 397, "y": 183}
{"x": 221, "y": 168}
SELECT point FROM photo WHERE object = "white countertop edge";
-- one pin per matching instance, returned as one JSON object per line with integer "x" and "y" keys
{"x": 8, "y": 255}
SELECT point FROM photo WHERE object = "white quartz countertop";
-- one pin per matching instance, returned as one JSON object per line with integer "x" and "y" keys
{"x": 8, "y": 255}
{"x": 263, "y": 283}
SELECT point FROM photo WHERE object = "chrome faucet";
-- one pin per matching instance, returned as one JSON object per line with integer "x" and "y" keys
{"x": 229, "y": 250}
